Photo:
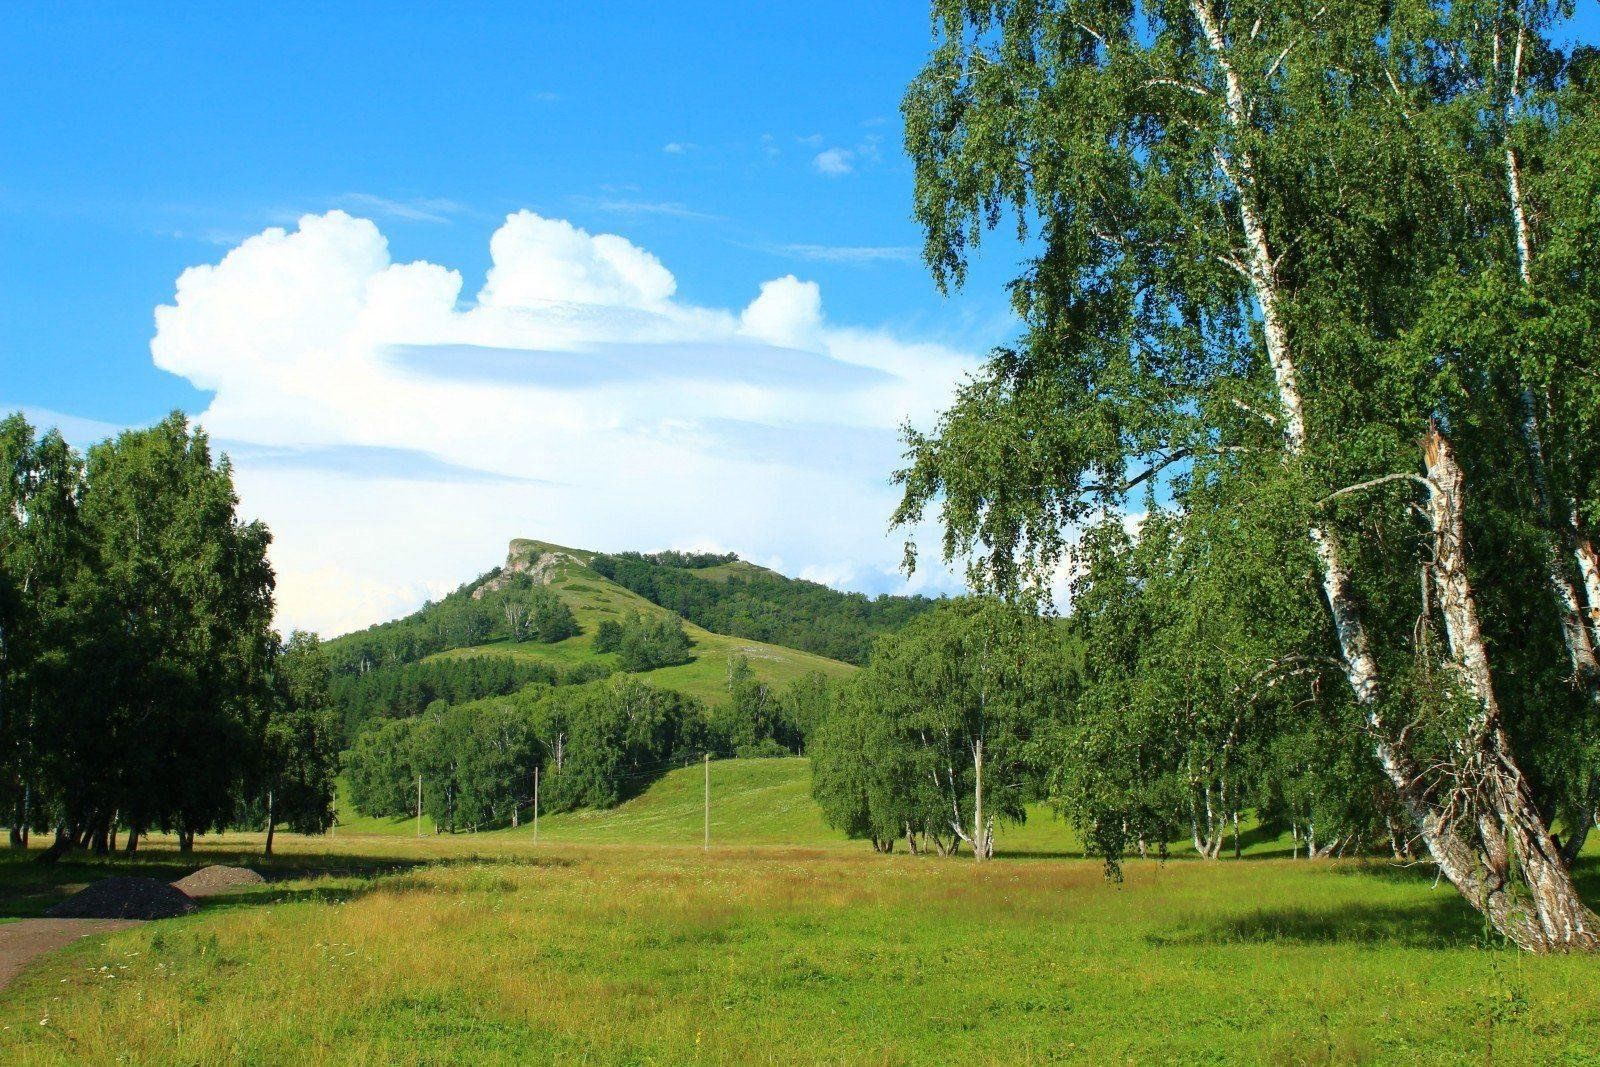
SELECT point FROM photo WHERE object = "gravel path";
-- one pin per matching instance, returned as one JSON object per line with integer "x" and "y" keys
{"x": 22, "y": 941}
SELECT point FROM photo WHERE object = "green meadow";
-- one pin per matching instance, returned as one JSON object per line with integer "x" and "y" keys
{"x": 618, "y": 939}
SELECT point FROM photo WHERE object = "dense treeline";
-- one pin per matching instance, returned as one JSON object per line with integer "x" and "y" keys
{"x": 1319, "y": 283}
{"x": 761, "y": 605}
{"x": 595, "y": 745}
{"x": 483, "y": 610}
{"x": 402, "y": 690}
{"x": 141, "y": 685}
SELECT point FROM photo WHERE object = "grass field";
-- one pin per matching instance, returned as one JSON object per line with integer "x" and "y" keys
{"x": 614, "y": 942}
{"x": 594, "y": 599}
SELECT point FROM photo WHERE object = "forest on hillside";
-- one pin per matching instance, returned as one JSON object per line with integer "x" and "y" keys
{"x": 761, "y": 605}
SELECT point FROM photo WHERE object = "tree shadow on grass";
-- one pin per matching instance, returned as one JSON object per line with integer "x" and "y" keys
{"x": 1434, "y": 924}
{"x": 27, "y": 888}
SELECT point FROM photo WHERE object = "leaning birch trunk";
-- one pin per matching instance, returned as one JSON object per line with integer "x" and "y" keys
{"x": 1458, "y": 860}
{"x": 1510, "y": 828}
{"x": 1589, "y": 567}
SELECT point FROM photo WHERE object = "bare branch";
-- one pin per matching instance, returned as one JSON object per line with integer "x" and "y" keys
{"x": 1178, "y": 83}
{"x": 1375, "y": 482}
{"x": 1265, "y": 416}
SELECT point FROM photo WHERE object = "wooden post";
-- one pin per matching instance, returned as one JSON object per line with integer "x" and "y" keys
{"x": 419, "y": 805}
{"x": 707, "y": 846}
{"x": 535, "y": 805}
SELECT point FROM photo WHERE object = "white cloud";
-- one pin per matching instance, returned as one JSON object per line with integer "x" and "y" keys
{"x": 575, "y": 398}
{"x": 539, "y": 260}
{"x": 834, "y": 161}
{"x": 788, "y": 312}
{"x": 677, "y": 148}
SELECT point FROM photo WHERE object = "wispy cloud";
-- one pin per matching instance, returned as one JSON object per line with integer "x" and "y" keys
{"x": 547, "y": 97}
{"x": 422, "y": 209}
{"x": 850, "y": 253}
{"x": 834, "y": 162}
{"x": 666, "y": 208}
{"x": 678, "y": 148}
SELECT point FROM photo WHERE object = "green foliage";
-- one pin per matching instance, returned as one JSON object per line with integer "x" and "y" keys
{"x": 756, "y": 722}
{"x": 646, "y": 643}
{"x": 965, "y": 691}
{"x": 402, "y": 690}
{"x": 479, "y": 612}
{"x": 756, "y": 603}
{"x": 1271, "y": 248}
{"x": 608, "y": 636}
{"x": 300, "y": 755}
{"x": 596, "y": 743}
{"x": 140, "y": 682}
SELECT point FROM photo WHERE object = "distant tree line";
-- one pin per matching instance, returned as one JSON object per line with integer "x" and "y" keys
{"x": 142, "y": 687}
{"x": 595, "y": 744}
{"x": 762, "y": 606}
{"x": 518, "y": 610}
{"x": 1122, "y": 717}
{"x": 403, "y": 690}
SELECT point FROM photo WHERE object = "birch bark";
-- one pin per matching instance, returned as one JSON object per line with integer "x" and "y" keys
{"x": 1470, "y": 866}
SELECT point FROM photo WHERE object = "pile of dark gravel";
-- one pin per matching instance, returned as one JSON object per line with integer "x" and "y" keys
{"x": 217, "y": 878}
{"x": 124, "y": 898}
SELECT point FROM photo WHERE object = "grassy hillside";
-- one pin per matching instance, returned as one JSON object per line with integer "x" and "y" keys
{"x": 759, "y": 802}
{"x": 753, "y": 802}
{"x": 594, "y": 599}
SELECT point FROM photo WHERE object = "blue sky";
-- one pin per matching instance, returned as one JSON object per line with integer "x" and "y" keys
{"x": 736, "y": 145}
{"x": 137, "y": 145}
{"x": 632, "y": 275}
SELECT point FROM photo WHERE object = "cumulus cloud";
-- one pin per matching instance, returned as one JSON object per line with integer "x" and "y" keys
{"x": 395, "y": 432}
{"x": 539, "y": 260}
{"x": 788, "y": 312}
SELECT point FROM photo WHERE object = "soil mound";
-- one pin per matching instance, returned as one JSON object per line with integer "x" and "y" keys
{"x": 209, "y": 881}
{"x": 124, "y": 898}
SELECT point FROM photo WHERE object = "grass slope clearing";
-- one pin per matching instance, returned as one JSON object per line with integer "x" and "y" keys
{"x": 594, "y": 599}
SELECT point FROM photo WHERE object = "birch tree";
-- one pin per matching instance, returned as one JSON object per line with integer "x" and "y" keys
{"x": 1232, "y": 209}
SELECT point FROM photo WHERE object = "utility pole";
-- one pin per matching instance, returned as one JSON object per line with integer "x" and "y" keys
{"x": 536, "y": 804}
{"x": 419, "y": 805}
{"x": 708, "y": 802}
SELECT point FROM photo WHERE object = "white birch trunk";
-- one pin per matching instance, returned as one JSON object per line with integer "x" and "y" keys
{"x": 1580, "y": 628}
{"x": 980, "y": 835}
{"x": 1509, "y": 825}
{"x": 1458, "y": 860}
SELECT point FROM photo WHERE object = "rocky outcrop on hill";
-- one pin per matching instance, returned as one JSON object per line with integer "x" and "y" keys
{"x": 526, "y": 557}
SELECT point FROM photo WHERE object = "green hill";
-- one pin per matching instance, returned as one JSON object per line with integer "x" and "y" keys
{"x": 730, "y": 596}
{"x": 753, "y": 802}
{"x": 594, "y": 599}
{"x": 398, "y": 668}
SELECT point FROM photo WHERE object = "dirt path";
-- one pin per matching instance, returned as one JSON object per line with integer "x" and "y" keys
{"x": 22, "y": 941}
